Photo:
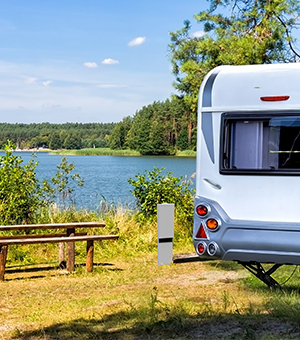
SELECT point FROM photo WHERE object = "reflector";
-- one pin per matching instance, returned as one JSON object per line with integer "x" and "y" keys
{"x": 274, "y": 98}
{"x": 212, "y": 249}
{"x": 201, "y": 232}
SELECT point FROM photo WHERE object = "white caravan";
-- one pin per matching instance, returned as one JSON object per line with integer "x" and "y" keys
{"x": 247, "y": 205}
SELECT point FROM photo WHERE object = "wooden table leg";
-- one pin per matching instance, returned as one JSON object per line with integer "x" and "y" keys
{"x": 70, "y": 251}
{"x": 61, "y": 255}
{"x": 3, "y": 256}
{"x": 89, "y": 256}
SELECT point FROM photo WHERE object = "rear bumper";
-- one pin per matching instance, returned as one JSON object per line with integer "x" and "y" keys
{"x": 238, "y": 240}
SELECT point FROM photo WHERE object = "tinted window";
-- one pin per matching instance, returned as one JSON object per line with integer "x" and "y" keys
{"x": 261, "y": 143}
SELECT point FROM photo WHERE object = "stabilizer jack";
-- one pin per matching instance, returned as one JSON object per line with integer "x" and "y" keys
{"x": 265, "y": 276}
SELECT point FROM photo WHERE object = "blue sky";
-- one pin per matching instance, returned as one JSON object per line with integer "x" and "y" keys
{"x": 86, "y": 60}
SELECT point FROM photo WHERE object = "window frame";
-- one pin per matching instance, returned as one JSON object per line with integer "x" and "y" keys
{"x": 254, "y": 116}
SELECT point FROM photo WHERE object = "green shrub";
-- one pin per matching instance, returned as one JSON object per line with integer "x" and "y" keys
{"x": 154, "y": 188}
{"x": 64, "y": 182}
{"x": 21, "y": 193}
{"x": 23, "y": 196}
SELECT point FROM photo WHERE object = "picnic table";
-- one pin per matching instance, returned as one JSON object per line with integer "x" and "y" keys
{"x": 70, "y": 236}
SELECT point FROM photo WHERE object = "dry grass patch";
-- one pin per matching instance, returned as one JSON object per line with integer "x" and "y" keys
{"x": 133, "y": 299}
{"x": 129, "y": 297}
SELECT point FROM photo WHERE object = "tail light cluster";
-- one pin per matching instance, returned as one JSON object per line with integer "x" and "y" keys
{"x": 204, "y": 211}
{"x": 207, "y": 223}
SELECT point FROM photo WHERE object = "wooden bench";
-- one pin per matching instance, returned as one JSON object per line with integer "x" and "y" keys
{"x": 70, "y": 237}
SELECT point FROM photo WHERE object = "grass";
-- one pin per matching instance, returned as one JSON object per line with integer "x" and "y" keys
{"x": 129, "y": 297}
{"x": 136, "y": 299}
{"x": 186, "y": 153}
{"x": 96, "y": 152}
{"x": 110, "y": 152}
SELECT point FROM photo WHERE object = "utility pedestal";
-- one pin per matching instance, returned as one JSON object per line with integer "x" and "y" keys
{"x": 165, "y": 233}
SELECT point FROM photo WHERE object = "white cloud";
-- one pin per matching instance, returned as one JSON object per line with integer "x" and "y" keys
{"x": 199, "y": 34}
{"x": 47, "y": 82}
{"x": 110, "y": 86}
{"x": 137, "y": 41}
{"x": 110, "y": 61}
{"x": 89, "y": 64}
{"x": 48, "y": 105}
{"x": 30, "y": 80}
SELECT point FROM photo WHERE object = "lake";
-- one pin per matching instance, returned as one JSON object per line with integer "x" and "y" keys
{"x": 106, "y": 176}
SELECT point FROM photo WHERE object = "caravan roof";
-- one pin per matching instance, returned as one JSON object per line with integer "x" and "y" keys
{"x": 236, "y": 88}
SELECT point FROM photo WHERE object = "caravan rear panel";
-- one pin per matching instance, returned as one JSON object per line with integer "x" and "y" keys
{"x": 247, "y": 205}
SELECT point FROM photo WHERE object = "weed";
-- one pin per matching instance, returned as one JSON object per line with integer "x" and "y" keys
{"x": 226, "y": 302}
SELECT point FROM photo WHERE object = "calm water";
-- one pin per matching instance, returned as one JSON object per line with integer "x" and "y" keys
{"x": 107, "y": 175}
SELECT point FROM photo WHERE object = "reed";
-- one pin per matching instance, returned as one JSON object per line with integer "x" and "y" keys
{"x": 96, "y": 152}
{"x": 186, "y": 153}
{"x": 110, "y": 152}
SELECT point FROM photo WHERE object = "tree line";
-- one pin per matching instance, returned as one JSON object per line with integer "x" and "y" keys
{"x": 56, "y": 136}
{"x": 161, "y": 128}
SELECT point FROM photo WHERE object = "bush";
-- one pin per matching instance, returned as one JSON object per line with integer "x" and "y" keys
{"x": 154, "y": 188}
{"x": 64, "y": 182}
{"x": 21, "y": 194}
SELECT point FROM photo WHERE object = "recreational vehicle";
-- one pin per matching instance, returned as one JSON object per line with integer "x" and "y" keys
{"x": 247, "y": 205}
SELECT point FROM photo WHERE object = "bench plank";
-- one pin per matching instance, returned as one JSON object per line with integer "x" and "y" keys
{"x": 53, "y": 226}
{"x": 58, "y": 239}
{"x": 12, "y": 237}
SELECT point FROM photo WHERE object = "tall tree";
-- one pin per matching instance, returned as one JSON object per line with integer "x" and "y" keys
{"x": 118, "y": 137}
{"x": 72, "y": 142}
{"x": 55, "y": 142}
{"x": 236, "y": 32}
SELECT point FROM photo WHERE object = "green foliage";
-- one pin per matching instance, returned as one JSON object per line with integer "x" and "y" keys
{"x": 236, "y": 32}
{"x": 118, "y": 137}
{"x": 55, "y": 141}
{"x": 182, "y": 140}
{"x": 72, "y": 141}
{"x": 154, "y": 188}
{"x": 65, "y": 181}
{"x": 156, "y": 128}
{"x": 56, "y": 135}
{"x": 21, "y": 194}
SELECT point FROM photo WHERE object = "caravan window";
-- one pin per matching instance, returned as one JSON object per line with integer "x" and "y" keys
{"x": 260, "y": 144}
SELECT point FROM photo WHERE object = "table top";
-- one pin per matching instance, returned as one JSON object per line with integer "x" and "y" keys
{"x": 53, "y": 226}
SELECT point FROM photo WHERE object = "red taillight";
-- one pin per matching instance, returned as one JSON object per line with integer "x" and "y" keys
{"x": 201, "y": 248}
{"x": 202, "y": 210}
{"x": 201, "y": 232}
{"x": 274, "y": 98}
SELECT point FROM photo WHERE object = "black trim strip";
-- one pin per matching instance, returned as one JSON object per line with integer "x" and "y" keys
{"x": 259, "y": 172}
{"x": 165, "y": 240}
{"x": 206, "y": 99}
{"x": 207, "y": 130}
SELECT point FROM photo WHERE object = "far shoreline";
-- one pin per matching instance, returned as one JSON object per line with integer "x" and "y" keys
{"x": 102, "y": 152}
{"x": 110, "y": 152}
